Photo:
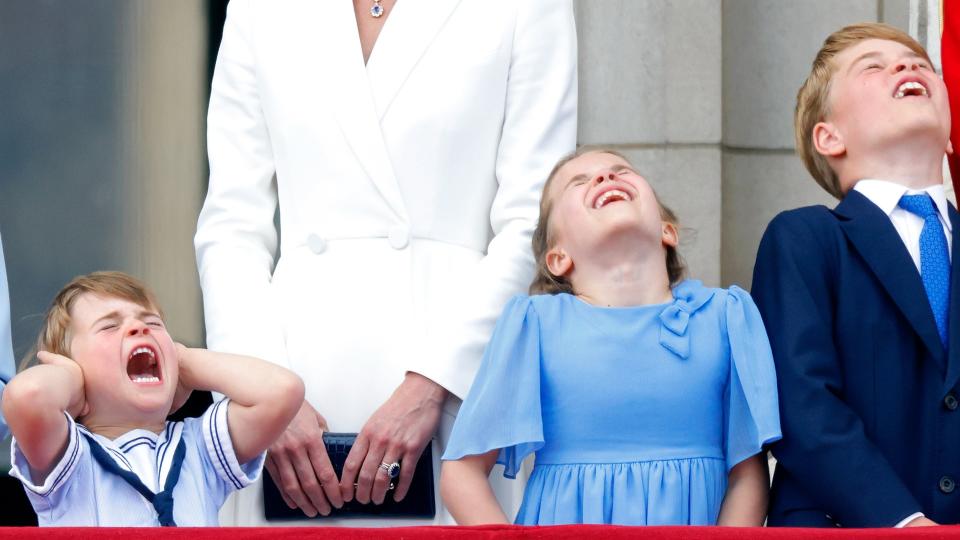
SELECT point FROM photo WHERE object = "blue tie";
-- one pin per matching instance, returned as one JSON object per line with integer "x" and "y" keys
{"x": 163, "y": 501}
{"x": 934, "y": 258}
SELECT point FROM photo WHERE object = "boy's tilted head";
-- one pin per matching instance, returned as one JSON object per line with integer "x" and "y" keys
{"x": 55, "y": 335}
{"x": 871, "y": 95}
{"x": 109, "y": 323}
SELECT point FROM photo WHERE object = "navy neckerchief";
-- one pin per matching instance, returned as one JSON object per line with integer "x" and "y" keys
{"x": 163, "y": 501}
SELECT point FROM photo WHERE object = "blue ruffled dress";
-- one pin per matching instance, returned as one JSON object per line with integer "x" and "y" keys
{"x": 636, "y": 414}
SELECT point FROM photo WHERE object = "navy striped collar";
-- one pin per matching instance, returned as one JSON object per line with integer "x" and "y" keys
{"x": 161, "y": 444}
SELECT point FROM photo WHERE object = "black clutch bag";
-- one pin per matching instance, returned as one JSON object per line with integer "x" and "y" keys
{"x": 419, "y": 502}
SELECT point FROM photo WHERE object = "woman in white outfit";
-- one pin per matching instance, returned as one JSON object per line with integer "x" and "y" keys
{"x": 408, "y": 177}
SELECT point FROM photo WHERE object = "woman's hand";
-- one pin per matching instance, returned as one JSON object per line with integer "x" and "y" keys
{"x": 300, "y": 467}
{"x": 396, "y": 433}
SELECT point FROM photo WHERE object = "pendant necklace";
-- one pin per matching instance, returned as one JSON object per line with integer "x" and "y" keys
{"x": 377, "y": 10}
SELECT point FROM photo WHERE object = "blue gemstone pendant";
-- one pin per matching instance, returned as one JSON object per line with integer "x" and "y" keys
{"x": 377, "y": 10}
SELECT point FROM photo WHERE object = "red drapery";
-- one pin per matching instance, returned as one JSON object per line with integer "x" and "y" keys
{"x": 950, "y": 65}
{"x": 569, "y": 532}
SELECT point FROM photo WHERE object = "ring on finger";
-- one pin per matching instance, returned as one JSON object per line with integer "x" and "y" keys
{"x": 392, "y": 469}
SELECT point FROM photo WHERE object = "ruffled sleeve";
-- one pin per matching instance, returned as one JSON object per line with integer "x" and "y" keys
{"x": 751, "y": 413}
{"x": 502, "y": 410}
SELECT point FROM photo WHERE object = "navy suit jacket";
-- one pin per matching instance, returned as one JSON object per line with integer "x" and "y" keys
{"x": 868, "y": 395}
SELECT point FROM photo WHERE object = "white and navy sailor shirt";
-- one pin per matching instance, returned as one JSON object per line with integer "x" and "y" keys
{"x": 80, "y": 492}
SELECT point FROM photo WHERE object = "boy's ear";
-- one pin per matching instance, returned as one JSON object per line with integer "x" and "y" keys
{"x": 669, "y": 234}
{"x": 949, "y": 147}
{"x": 827, "y": 140}
{"x": 558, "y": 262}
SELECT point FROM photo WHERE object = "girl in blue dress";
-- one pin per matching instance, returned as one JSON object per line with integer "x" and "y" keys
{"x": 646, "y": 399}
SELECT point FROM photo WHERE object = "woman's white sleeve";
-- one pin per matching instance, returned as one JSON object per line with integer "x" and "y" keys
{"x": 540, "y": 127}
{"x": 236, "y": 238}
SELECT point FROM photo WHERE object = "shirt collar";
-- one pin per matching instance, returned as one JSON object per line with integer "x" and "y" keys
{"x": 886, "y": 195}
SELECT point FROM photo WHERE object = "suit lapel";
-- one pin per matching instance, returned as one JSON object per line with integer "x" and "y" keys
{"x": 409, "y": 30}
{"x": 953, "y": 332}
{"x": 345, "y": 81}
{"x": 874, "y": 237}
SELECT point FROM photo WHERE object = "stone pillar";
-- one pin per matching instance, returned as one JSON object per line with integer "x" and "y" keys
{"x": 650, "y": 87}
{"x": 165, "y": 95}
{"x": 767, "y": 51}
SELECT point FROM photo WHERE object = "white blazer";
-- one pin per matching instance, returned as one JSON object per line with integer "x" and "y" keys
{"x": 408, "y": 188}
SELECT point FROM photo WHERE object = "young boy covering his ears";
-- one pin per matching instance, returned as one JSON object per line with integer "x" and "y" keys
{"x": 92, "y": 445}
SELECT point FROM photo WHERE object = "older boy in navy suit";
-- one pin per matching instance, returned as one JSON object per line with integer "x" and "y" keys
{"x": 860, "y": 301}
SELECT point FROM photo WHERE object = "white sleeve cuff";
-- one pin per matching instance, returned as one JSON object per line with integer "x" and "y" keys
{"x": 20, "y": 467}
{"x": 216, "y": 436}
{"x": 908, "y": 519}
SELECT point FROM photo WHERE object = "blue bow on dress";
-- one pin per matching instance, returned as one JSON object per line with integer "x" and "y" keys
{"x": 688, "y": 297}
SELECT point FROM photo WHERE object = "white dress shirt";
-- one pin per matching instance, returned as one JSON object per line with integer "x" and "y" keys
{"x": 886, "y": 195}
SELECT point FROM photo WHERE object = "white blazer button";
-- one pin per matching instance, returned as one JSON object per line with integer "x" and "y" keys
{"x": 398, "y": 237}
{"x": 316, "y": 243}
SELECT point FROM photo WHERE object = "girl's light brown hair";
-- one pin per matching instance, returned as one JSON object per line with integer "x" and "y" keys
{"x": 546, "y": 283}
{"x": 813, "y": 99}
{"x": 55, "y": 334}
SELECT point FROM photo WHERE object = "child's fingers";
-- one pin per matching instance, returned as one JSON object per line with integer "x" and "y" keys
{"x": 180, "y": 348}
{"x": 46, "y": 357}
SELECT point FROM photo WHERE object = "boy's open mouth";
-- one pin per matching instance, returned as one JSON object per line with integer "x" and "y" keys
{"x": 910, "y": 88}
{"x": 142, "y": 366}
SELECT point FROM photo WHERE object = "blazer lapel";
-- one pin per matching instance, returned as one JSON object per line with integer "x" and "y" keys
{"x": 409, "y": 30}
{"x": 953, "y": 324}
{"x": 874, "y": 237}
{"x": 345, "y": 81}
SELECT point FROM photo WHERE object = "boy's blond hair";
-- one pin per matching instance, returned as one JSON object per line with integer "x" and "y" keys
{"x": 545, "y": 282}
{"x": 55, "y": 335}
{"x": 813, "y": 99}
